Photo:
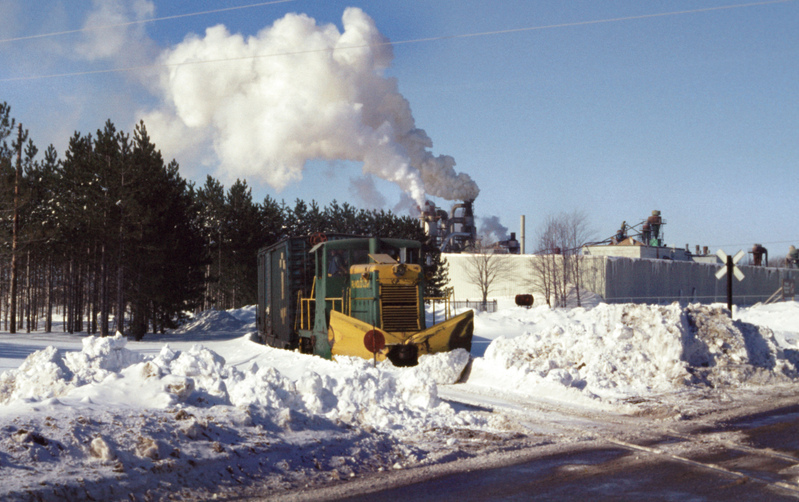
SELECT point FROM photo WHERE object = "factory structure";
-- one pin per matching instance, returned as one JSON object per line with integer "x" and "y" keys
{"x": 455, "y": 231}
{"x": 634, "y": 265}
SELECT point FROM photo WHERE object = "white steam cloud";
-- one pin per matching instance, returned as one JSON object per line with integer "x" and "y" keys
{"x": 295, "y": 92}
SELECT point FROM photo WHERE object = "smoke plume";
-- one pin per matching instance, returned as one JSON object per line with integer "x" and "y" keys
{"x": 294, "y": 92}
{"x": 492, "y": 230}
{"x": 364, "y": 189}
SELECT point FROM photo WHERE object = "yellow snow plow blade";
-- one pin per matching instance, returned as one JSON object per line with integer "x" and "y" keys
{"x": 346, "y": 336}
{"x": 455, "y": 333}
{"x": 346, "y": 333}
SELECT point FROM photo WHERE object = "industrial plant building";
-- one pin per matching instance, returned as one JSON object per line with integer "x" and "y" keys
{"x": 615, "y": 279}
{"x": 631, "y": 266}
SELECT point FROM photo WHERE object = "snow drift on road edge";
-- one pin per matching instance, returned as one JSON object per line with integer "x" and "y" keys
{"x": 612, "y": 353}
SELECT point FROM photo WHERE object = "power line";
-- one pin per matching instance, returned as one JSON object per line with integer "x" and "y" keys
{"x": 399, "y": 42}
{"x": 596, "y": 21}
{"x": 129, "y": 23}
{"x": 750, "y": 243}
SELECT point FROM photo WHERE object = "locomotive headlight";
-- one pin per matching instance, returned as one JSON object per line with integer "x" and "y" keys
{"x": 399, "y": 269}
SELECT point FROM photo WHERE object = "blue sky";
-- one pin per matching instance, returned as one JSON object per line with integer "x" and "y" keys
{"x": 599, "y": 106}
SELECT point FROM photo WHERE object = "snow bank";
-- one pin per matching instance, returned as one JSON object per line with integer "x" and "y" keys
{"x": 50, "y": 373}
{"x": 196, "y": 421}
{"x": 615, "y": 352}
{"x": 112, "y": 413}
{"x": 782, "y": 318}
{"x": 443, "y": 368}
{"x": 384, "y": 398}
{"x": 214, "y": 321}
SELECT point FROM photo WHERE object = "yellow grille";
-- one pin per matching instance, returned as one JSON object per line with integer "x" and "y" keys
{"x": 400, "y": 308}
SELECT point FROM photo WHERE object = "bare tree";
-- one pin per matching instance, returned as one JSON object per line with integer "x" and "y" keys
{"x": 557, "y": 265}
{"x": 575, "y": 234}
{"x": 546, "y": 263}
{"x": 484, "y": 268}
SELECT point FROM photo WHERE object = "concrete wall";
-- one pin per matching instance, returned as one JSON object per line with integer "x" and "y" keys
{"x": 518, "y": 282}
{"x": 617, "y": 280}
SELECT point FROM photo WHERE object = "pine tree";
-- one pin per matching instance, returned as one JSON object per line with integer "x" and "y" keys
{"x": 436, "y": 272}
{"x": 165, "y": 256}
{"x": 75, "y": 204}
{"x": 243, "y": 236}
{"x": 273, "y": 221}
{"x": 210, "y": 203}
{"x": 43, "y": 178}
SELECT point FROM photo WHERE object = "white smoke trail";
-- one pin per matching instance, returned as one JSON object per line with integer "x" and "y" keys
{"x": 323, "y": 96}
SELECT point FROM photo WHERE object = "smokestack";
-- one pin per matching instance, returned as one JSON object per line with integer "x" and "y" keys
{"x": 521, "y": 234}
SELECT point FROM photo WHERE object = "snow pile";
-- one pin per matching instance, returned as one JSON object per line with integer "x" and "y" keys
{"x": 373, "y": 397}
{"x": 780, "y": 317}
{"x": 50, "y": 373}
{"x": 615, "y": 352}
{"x": 246, "y": 315}
{"x": 194, "y": 421}
{"x": 366, "y": 396}
{"x": 444, "y": 368}
{"x": 112, "y": 413}
{"x": 212, "y": 320}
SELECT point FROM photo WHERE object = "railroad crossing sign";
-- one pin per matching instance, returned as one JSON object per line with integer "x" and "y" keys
{"x": 730, "y": 269}
{"x": 725, "y": 260}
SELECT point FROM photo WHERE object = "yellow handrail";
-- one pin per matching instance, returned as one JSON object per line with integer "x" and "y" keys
{"x": 303, "y": 317}
{"x": 303, "y": 306}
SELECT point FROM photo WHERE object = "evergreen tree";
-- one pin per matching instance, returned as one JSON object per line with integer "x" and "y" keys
{"x": 436, "y": 270}
{"x": 111, "y": 232}
{"x": 75, "y": 204}
{"x": 166, "y": 249}
{"x": 43, "y": 178}
{"x": 273, "y": 221}
{"x": 180, "y": 268}
{"x": 210, "y": 202}
{"x": 343, "y": 219}
{"x": 243, "y": 236}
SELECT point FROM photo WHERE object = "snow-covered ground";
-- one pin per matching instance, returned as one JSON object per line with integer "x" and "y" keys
{"x": 204, "y": 411}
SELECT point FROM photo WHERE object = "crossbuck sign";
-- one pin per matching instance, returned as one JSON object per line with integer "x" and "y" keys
{"x": 725, "y": 259}
{"x": 729, "y": 269}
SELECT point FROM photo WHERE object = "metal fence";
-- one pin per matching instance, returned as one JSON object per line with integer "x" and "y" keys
{"x": 487, "y": 306}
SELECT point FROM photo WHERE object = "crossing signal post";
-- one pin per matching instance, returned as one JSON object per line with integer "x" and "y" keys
{"x": 729, "y": 269}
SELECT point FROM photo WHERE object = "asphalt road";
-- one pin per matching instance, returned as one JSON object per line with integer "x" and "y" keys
{"x": 751, "y": 458}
